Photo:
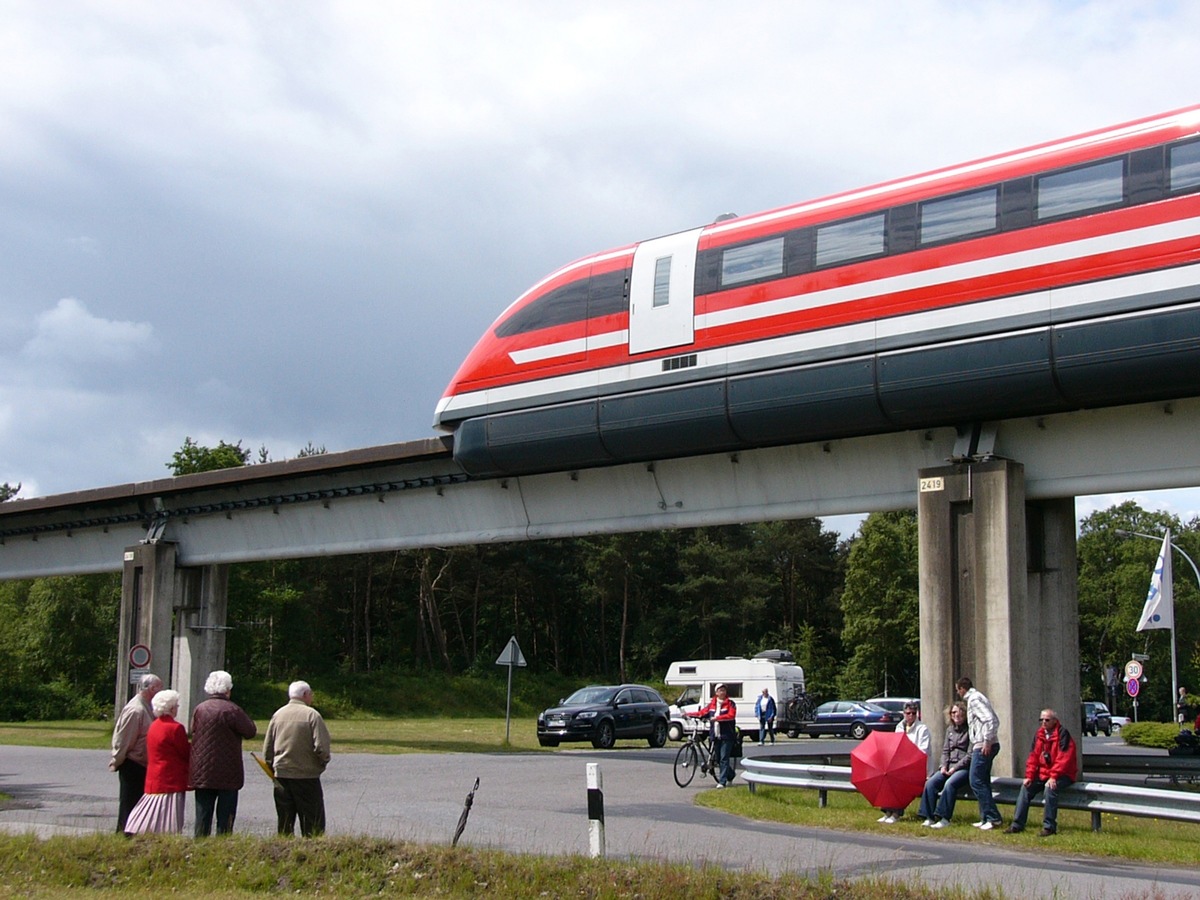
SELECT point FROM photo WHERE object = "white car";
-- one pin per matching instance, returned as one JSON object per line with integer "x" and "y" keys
{"x": 1119, "y": 722}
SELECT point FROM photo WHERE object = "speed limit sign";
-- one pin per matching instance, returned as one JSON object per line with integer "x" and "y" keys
{"x": 1133, "y": 669}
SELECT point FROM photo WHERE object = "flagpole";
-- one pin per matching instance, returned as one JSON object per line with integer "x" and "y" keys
{"x": 1169, "y": 572}
{"x": 1159, "y": 610}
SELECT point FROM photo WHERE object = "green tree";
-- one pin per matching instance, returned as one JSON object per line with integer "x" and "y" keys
{"x": 192, "y": 457}
{"x": 7, "y": 491}
{"x": 51, "y": 661}
{"x": 1114, "y": 576}
{"x": 881, "y": 606}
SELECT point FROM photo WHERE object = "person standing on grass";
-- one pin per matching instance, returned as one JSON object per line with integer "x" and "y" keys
{"x": 297, "y": 749}
{"x": 984, "y": 727}
{"x": 129, "y": 746}
{"x": 218, "y": 728}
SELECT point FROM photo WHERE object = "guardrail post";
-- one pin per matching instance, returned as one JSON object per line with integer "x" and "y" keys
{"x": 595, "y": 800}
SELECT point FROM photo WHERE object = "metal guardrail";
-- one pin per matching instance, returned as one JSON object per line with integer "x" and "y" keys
{"x": 1089, "y": 796}
{"x": 1172, "y": 769}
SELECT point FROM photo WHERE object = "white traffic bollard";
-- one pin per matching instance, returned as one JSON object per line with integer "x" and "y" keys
{"x": 595, "y": 799}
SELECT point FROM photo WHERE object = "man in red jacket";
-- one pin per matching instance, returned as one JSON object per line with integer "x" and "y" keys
{"x": 723, "y": 713}
{"x": 1053, "y": 764}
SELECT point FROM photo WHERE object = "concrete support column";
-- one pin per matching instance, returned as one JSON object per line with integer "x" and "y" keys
{"x": 178, "y": 613}
{"x": 1052, "y": 620}
{"x": 147, "y": 602}
{"x": 998, "y": 601}
{"x": 199, "y": 645}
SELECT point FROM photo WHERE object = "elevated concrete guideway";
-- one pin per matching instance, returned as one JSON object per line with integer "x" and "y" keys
{"x": 410, "y": 495}
{"x": 995, "y": 507}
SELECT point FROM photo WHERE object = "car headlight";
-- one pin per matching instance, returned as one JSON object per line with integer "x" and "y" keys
{"x": 586, "y": 714}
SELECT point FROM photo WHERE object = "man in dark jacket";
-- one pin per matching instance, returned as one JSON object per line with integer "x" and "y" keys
{"x": 1053, "y": 764}
{"x": 218, "y": 728}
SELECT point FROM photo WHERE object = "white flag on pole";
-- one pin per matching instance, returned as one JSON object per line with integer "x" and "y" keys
{"x": 1159, "y": 611}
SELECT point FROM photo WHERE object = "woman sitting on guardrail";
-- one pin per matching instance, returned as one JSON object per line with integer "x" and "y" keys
{"x": 953, "y": 771}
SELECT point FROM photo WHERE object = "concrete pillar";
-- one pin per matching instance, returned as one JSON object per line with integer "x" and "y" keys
{"x": 1052, "y": 619}
{"x": 179, "y": 614}
{"x": 147, "y": 595}
{"x": 199, "y": 645}
{"x": 998, "y": 601}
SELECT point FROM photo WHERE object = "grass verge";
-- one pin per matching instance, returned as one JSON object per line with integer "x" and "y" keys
{"x": 355, "y": 735}
{"x": 243, "y": 866}
{"x": 1125, "y": 837}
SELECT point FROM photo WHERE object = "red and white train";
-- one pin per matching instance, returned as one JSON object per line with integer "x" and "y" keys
{"x": 1059, "y": 277}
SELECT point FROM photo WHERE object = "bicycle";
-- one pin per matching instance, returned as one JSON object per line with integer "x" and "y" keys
{"x": 698, "y": 754}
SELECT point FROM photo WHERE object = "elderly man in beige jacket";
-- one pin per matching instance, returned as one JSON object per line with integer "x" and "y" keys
{"x": 297, "y": 749}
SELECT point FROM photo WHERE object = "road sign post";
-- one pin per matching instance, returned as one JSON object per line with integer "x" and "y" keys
{"x": 511, "y": 656}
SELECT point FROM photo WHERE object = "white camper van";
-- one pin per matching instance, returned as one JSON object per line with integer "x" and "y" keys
{"x": 744, "y": 678}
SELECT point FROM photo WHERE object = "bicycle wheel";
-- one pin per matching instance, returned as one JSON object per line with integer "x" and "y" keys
{"x": 687, "y": 761}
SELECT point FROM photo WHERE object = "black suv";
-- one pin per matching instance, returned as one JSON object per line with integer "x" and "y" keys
{"x": 1096, "y": 718}
{"x": 604, "y": 714}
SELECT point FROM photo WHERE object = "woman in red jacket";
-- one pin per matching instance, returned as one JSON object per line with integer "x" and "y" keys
{"x": 168, "y": 755}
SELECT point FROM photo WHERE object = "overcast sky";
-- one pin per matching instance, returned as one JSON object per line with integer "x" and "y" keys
{"x": 284, "y": 222}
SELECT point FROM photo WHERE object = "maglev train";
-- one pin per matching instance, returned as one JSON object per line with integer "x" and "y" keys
{"x": 1059, "y": 277}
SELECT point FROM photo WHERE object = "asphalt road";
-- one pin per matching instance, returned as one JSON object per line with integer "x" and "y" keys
{"x": 537, "y": 803}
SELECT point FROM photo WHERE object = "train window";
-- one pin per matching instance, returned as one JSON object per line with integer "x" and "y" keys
{"x": 662, "y": 281}
{"x": 1184, "y": 166}
{"x": 960, "y": 216}
{"x": 609, "y": 293}
{"x": 751, "y": 262}
{"x": 568, "y": 303}
{"x": 1083, "y": 188}
{"x": 854, "y": 239}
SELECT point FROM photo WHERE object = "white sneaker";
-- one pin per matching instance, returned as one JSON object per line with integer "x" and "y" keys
{"x": 988, "y": 826}
{"x": 941, "y": 823}
{"x": 889, "y": 820}
{"x": 928, "y": 823}
{"x": 883, "y": 818}
{"x": 978, "y": 824}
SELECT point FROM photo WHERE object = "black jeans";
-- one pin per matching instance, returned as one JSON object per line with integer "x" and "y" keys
{"x": 133, "y": 785}
{"x": 300, "y": 797}
{"x": 223, "y": 803}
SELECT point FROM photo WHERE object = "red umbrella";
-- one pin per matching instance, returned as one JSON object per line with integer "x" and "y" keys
{"x": 888, "y": 769}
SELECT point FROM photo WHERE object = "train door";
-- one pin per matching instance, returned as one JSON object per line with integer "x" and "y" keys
{"x": 662, "y": 303}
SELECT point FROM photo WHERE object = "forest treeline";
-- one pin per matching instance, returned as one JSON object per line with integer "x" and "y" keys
{"x": 605, "y": 607}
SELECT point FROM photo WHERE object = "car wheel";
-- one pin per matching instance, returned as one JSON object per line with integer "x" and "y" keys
{"x": 605, "y": 737}
{"x": 792, "y": 733}
{"x": 1108, "y": 731}
{"x": 658, "y": 737}
{"x": 675, "y": 731}
{"x": 548, "y": 742}
{"x": 858, "y": 731}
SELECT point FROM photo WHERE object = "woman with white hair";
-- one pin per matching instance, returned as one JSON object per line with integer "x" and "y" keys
{"x": 218, "y": 728}
{"x": 168, "y": 756}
